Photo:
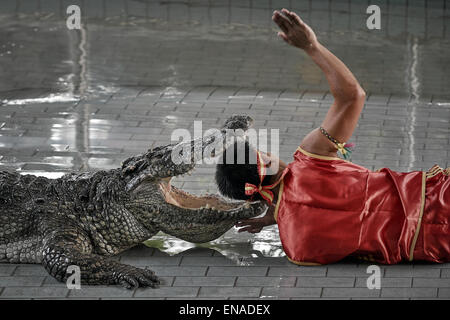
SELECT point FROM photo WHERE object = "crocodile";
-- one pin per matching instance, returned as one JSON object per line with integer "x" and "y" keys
{"x": 83, "y": 219}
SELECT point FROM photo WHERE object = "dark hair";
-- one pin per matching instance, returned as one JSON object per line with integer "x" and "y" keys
{"x": 231, "y": 178}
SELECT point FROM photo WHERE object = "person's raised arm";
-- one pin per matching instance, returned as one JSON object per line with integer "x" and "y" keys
{"x": 343, "y": 115}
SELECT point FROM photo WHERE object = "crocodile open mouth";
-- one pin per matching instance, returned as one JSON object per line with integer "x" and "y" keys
{"x": 183, "y": 199}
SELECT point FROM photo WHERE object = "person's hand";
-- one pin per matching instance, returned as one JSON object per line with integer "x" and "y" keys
{"x": 255, "y": 225}
{"x": 294, "y": 30}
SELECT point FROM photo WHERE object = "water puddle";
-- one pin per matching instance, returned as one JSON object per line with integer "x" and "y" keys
{"x": 233, "y": 245}
{"x": 51, "y": 98}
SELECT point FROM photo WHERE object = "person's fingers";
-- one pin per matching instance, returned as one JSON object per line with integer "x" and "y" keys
{"x": 245, "y": 229}
{"x": 292, "y": 18}
{"x": 295, "y": 18}
{"x": 283, "y": 36}
{"x": 279, "y": 23}
{"x": 242, "y": 222}
{"x": 282, "y": 21}
{"x": 249, "y": 226}
{"x": 250, "y": 229}
{"x": 246, "y": 222}
{"x": 287, "y": 24}
{"x": 245, "y": 226}
{"x": 250, "y": 221}
{"x": 288, "y": 15}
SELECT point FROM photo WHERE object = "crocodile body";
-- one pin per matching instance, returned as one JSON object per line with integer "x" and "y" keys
{"x": 83, "y": 219}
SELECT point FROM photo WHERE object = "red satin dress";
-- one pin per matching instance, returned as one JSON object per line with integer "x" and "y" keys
{"x": 329, "y": 208}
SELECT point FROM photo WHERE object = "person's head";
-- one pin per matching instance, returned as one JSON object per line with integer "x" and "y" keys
{"x": 232, "y": 172}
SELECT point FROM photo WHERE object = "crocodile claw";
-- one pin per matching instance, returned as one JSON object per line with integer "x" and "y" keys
{"x": 132, "y": 277}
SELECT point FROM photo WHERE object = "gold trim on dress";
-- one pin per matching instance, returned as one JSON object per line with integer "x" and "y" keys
{"x": 433, "y": 171}
{"x": 280, "y": 194}
{"x": 301, "y": 263}
{"x": 419, "y": 221}
{"x": 318, "y": 156}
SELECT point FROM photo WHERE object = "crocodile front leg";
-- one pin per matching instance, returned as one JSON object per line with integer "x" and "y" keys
{"x": 69, "y": 245}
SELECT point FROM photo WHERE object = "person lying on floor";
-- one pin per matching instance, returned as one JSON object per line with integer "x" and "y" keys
{"x": 328, "y": 208}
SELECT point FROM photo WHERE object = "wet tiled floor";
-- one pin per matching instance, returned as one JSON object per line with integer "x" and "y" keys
{"x": 86, "y": 100}
{"x": 224, "y": 43}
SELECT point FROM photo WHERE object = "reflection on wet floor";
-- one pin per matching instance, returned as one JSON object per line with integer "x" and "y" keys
{"x": 87, "y": 99}
{"x": 236, "y": 246}
{"x": 191, "y": 43}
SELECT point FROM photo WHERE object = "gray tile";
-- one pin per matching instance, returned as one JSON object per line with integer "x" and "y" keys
{"x": 250, "y": 281}
{"x": 49, "y": 281}
{"x": 322, "y": 282}
{"x": 173, "y": 292}
{"x": 7, "y": 269}
{"x": 290, "y": 292}
{"x": 21, "y": 281}
{"x": 100, "y": 292}
{"x": 166, "y": 281}
{"x": 409, "y": 292}
{"x": 445, "y": 273}
{"x": 210, "y": 261}
{"x": 411, "y": 271}
{"x": 431, "y": 283}
{"x": 30, "y": 270}
{"x": 34, "y": 292}
{"x": 444, "y": 293}
{"x": 151, "y": 261}
{"x": 237, "y": 271}
{"x": 350, "y": 293}
{"x": 225, "y": 292}
{"x": 179, "y": 271}
{"x": 387, "y": 282}
{"x": 267, "y": 261}
{"x": 204, "y": 281}
{"x": 297, "y": 271}
{"x": 346, "y": 270}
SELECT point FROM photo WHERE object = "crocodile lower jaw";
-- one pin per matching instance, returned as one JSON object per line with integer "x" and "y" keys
{"x": 183, "y": 199}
